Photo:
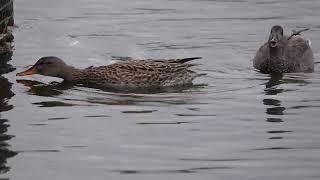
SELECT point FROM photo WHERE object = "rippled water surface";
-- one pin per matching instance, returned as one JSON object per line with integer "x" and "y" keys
{"x": 242, "y": 125}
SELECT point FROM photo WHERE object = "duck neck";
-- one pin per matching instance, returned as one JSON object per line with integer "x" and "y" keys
{"x": 68, "y": 73}
{"x": 276, "y": 54}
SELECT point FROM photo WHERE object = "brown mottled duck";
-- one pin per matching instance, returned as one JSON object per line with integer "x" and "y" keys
{"x": 284, "y": 54}
{"x": 125, "y": 74}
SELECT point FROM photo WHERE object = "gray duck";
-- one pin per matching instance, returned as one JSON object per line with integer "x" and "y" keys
{"x": 126, "y": 74}
{"x": 284, "y": 54}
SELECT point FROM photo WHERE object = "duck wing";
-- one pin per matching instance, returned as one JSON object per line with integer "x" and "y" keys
{"x": 139, "y": 73}
{"x": 297, "y": 46}
{"x": 144, "y": 66}
{"x": 300, "y": 54}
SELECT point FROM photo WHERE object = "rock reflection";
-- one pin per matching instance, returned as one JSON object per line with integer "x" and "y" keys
{"x": 5, "y": 95}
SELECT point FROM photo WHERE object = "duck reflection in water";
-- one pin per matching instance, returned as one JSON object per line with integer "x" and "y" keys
{"x": 107, "y": 96}
{"x": 42, "y": 89}
{"x": 57, "y": 88}
{"x": 274, "y": 106}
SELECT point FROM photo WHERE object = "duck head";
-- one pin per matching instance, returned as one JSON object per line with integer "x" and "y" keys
{"x": 50, "y": 66}
{"x": 275, "y": 37}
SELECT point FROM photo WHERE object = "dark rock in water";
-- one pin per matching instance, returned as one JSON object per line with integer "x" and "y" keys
{"x": 6, "y": 51}
{"x": 4, "y": 67}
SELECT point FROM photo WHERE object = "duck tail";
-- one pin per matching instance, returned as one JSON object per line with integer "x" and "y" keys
{"x": 183, "y": 60}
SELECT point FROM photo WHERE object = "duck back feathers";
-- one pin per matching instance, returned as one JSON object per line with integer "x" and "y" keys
{"x": 139, "y": 74}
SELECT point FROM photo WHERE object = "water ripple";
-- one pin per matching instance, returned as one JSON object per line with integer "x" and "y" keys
{"x": 190, "y": 170}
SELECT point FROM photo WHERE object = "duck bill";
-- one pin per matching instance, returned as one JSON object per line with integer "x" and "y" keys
{"x": 273, "y": 43}
{"x": 30, "y": 71}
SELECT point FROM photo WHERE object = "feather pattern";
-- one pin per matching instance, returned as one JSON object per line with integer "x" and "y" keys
{"x": 139, "y": 74}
